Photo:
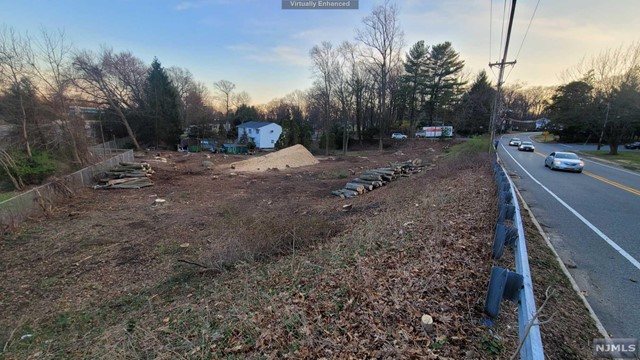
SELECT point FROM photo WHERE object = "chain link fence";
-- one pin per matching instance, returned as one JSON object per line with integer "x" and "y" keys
{"x": 43, "y": 198}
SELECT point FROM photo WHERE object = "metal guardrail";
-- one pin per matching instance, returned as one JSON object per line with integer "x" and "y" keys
{"x": 515, "y": 286}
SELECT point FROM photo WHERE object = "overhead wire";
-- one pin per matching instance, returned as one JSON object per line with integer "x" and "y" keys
{"x": 491, "y": 36}
{"x": 490, "y": 26}
{"x": 504, "y": 14}
{"x": 523, "y": 39}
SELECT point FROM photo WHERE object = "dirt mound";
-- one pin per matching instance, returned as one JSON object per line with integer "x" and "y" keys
{"x": 293, "y": 156}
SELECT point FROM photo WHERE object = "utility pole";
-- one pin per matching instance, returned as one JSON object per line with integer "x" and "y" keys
{"x": 496, "y": 103}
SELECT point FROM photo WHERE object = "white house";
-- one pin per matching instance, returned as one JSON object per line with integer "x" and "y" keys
{"x": 541, "y": 123}
{"x": 263, "y": 134}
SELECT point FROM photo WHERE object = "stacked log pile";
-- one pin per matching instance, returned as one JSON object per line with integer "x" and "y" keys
{"x": 126, "y": 176}
{"x": 375, "y": 178}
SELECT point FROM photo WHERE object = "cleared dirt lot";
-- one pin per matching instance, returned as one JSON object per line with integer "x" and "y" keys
{"x": 262, "y": 265}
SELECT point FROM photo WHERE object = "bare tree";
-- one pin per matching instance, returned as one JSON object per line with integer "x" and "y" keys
{"x": 383, "y": 40}
{"x": 112, "y": 79}
{"x": 183, "y": 81}
{"x": 358, "y": 81}
{"x": 615, "y": 77}
{"x": 538, "y": 97}
{"x": 325, "y": 68}
{"x": 225, "y": 90}
{"x": 53, "y": 70}
{"x": 347, "y": 81}
{"x": 297, "y": 98}
{"x": 15, "y": 57}
{"x": 241, "y": 98}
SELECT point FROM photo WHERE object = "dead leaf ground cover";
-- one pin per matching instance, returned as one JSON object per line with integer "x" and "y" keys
{"x": 280, "y": 271}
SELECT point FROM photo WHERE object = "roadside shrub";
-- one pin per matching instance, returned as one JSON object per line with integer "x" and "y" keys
{"x": 473, "y": 146}
{"x": 261, "y": 236}
{"x": 37, "y": 170}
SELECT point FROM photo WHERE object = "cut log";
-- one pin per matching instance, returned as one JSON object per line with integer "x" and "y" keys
{"x": 338, "y": 193}
{"x": 368, "y": 187}
{"x": 375, "y": 184}
{"x": 371, "y": 177}
{"x": 143, "y": 166}
{"x": 355, "y": 187}
{"x": 345, "y": 193}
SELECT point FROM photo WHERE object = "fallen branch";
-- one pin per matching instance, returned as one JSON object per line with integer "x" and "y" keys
{"x": 192, "y": 263}
{"x": 527, "y": 329}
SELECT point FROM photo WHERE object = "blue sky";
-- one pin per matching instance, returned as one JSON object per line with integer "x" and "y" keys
{"x": 264, "y": 49}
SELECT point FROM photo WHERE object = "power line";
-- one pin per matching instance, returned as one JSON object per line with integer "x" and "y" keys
{"x": 501, "y": 65}
{"x": 490, "y": 26}
{"x": 504, "y": 14}
{"x": 525, "y": 37}
{"x": 491, "y": 36}
{"x": 528, "y": 27}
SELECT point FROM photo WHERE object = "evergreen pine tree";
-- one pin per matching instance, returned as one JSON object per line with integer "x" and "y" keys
{"x": 161, "y": 106}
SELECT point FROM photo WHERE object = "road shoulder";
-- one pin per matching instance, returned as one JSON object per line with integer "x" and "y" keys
{"x": 569, "y": 324}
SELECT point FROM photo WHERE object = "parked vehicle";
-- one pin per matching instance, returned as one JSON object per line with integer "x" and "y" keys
{"x": 564, "y": 161}
{"x": 635, "y": 145}
{"x": 515, "y": 142}
{"x": 435, "y": 131}
{"x": 398, "y": 136}
{"x": 526, "y": 146}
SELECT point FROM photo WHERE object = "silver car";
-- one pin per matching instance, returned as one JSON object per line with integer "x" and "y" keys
{"x": 526, "y": 146}
{"x": 515, "y": 142}
{"x": 560, "y": 160}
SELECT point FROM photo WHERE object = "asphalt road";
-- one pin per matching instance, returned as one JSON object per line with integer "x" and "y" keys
{"x": 593, "y": 221}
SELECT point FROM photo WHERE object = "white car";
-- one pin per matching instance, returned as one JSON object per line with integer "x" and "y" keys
{"x": 398, "y": 136}
{"x": 559, "y": 160}
{"x": 515, "y": 142}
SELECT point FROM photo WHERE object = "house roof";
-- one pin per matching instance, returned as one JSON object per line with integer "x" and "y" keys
{"x": 255, "y": 124}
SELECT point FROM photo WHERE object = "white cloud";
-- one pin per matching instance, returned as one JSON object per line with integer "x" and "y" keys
{"x": 281, "y": 54}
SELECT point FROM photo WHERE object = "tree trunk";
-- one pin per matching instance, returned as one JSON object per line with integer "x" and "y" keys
{"x": 8, "y": 165}
{"x": 23, "y": 133}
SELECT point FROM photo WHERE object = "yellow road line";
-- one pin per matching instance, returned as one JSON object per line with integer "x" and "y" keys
{"x": 613, "y": 183}
{"x": 605, "y": 180}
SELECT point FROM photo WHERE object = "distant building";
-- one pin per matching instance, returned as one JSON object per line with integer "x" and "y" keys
{"x": 263, "y": 134}
{"x": 542, "y": 123}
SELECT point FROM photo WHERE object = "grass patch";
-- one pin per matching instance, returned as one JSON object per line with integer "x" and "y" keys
{"x": 623, "y": 157}
{"x": 340, "y": 174}
{"x": 472, "y": 146}
{"x": 550, "y": 138}
{"x": 7, "y": 195}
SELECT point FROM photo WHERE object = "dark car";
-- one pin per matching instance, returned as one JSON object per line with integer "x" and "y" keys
{"x": 635, "y": 145}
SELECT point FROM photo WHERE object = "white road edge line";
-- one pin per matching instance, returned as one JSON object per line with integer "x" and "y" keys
{"x": 563, "y": 267}
{"x": 604, "y": 237}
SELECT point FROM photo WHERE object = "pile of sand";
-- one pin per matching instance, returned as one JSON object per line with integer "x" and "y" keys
{"x": 291, "y": 157}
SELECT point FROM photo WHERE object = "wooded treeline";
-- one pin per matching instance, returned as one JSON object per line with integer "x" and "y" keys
{"x": 363, "y": 90}
{"x": 600, "y": 102}
{"x": 48, "y": 91}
